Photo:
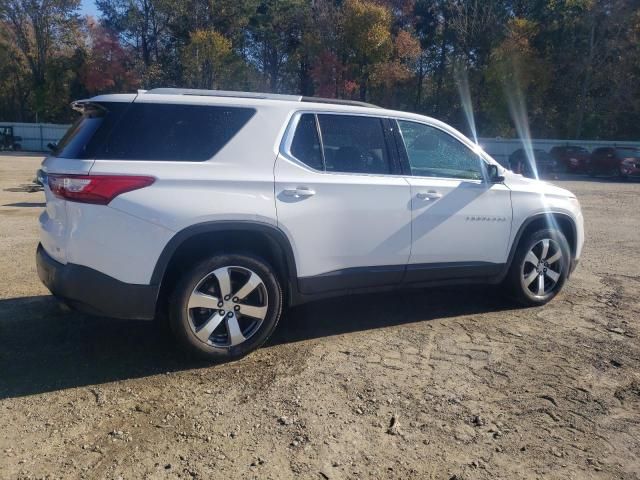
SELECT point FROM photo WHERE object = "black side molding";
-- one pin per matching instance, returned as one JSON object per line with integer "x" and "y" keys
{"x": 363, "y": 278}
{"x": 351, "y": 278}
{"x": 435, "y": 272}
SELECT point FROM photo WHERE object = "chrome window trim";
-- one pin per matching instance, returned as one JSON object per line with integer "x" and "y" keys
{"x": 287, "y": 140}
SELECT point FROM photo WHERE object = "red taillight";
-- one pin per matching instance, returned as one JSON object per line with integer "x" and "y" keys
{"x": 99, "y": 189}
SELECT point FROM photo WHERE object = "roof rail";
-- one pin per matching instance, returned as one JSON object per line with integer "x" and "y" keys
{"x": 338, "y": 101}
{"x": 223, "y": 93}
{"x": 257, "y": 95}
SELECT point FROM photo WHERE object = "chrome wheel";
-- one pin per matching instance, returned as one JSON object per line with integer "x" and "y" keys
{"x": 542, "y": 267}
{"x": 228, "y": 306}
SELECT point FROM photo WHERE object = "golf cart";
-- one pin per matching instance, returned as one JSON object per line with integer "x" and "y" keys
{"x": 8, "y": 141}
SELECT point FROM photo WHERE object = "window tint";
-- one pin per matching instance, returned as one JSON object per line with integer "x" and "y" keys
{"x": 89, "y": 131}
{"x": 306, "y": 144}
{"x": 603, "y": 151}
{"x": 628, "y": 152}
{"x": 434, "y": 153}
{"x": 354, "y": 144}
{"x": 151, "y": 131}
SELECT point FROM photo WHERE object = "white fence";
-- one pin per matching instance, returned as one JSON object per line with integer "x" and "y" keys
{"x": 36, "y": 136}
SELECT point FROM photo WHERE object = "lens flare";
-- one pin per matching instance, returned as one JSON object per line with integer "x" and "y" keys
{"x": 462, "y": 82}
{"x": 518, "y": 111}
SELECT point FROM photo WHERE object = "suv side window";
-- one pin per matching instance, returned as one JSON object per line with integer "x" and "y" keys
{"x": 354, "y": 144}
{"x": 434, "y": 153}
{"x": 189, "y": 133}
{"x": 306, "y": 143}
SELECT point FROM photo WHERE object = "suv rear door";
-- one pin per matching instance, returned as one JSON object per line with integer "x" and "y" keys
{"x": 342, "y": 203}
{"x": 461, "y": 225}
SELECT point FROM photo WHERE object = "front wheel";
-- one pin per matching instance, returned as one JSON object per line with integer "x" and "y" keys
{"x": 225, "y": 306}
{"x": 540, "y": 267}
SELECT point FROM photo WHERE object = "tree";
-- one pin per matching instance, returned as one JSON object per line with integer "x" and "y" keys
{"x": 516, "y": 72}
{"x": 436, "y": 36}
{"x": 366, "y": 39}
{"x": 206, "y": 59}
{"x": 14, "y": 84}
{"x": 574, "y": 63}
{"x": 142, "y": 25}
{"x": 388, "y": 76}
{"x": 40, "y": 29}
{"x": 108, "y": 66}
{"x": 275, "y": 30}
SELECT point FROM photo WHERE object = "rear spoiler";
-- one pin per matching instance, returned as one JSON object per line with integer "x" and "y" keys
{"x": 84, "y": 106}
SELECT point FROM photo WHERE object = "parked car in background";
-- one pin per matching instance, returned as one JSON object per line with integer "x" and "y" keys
{"x": 571, "y": 158}
{"x": 622, "y": 162}
{"x": 545, "y": 163}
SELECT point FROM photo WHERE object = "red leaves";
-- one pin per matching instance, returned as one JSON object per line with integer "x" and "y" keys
{"x": 108, "y": 67}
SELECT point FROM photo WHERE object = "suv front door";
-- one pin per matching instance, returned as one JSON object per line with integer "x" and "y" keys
{"x": 461, "y": 224}
{"x": 342, "y": 202}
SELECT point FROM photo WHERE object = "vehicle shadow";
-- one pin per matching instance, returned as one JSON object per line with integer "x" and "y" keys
{"x": 26, "y": 204}
{"x": 44, "y": 347}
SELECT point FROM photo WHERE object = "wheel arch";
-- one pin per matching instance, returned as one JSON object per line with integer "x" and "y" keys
{"x": 552, "y": 220}
{"x": 197, "y": 241}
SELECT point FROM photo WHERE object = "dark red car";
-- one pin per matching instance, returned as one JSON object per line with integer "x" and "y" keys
{"x": 571, "y": 158}
{"x": 619, "y": 161}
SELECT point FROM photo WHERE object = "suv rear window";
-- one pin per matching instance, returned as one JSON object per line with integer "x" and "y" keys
{"x": 89, "y": 130}
{"x": 152, "y": 131}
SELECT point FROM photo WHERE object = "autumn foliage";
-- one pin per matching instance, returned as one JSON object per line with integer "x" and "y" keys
{"x": 108, "y": 67}
{"x": 575, "y": 65}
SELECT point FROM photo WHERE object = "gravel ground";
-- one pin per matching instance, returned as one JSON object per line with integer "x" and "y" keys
{"x": 448, "y": 383}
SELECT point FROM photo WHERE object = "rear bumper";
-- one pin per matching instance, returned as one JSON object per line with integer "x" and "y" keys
{"x": 90, "y": 291}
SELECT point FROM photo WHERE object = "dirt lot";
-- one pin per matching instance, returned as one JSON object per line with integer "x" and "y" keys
{"x": 454, "y": 383}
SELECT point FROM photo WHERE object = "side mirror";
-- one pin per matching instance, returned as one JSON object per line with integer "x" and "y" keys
{"x": 52, "y": 146}
{"x": 493, "y": 174}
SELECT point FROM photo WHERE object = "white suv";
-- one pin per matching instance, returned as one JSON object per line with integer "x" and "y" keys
{"x": 222, "y": 208}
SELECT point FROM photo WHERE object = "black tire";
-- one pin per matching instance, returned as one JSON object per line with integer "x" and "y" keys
{"x": 621, "y": 175}
{"x": 181, "y": 318}
{"x": 521, "y": 268}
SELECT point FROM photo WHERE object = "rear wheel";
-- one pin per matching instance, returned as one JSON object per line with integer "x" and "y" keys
{"x": 225, "y": 306}
{"x": 540, "y": 267}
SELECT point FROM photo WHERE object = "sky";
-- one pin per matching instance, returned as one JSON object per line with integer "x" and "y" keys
{"x": 88, "y": 7}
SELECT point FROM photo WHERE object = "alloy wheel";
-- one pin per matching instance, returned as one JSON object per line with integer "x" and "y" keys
{"x": 228, "y": 306}
{"x": 542, "y": 267}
